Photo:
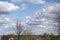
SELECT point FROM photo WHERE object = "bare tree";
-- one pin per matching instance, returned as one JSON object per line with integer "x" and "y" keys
{"x": 58, "y": 27}
{"x": 19, "y": 28}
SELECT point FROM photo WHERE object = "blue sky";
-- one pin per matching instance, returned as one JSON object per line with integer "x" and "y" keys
{"x": 12, "y": 9}
{"x": 21, "y": 14}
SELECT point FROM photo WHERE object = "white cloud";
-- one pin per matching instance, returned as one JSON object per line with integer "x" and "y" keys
{"x": 23, "y": 7}
{"x": 30, "y": 1}
{"x": 8, "y": 25}
{"x": 28, "y": 17}
{"x": 37, "y": 1}
{"x": 45, "y": 19}
{"x": 10, "y": 32}
{"x": 0, "y": 30}
{"x": 38, "y": 12}
{"x": 6, "y": 21}
{"x": 53, "y": 7}
{"x": 6, "y": 7}
{"x": 41, "y": 26}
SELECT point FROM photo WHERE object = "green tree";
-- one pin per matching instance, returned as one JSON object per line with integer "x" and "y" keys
{"x": 11, "y": 35}
{"x": 46, "y": 37}
{"x": 28, "y": 35}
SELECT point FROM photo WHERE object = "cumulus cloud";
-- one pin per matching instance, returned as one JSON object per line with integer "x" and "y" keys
{"x": 44, "y": 19}
{"x": 30, "y": 1}
{"x": 6, "y": 7}
{"x": 8, "y": 25}
{"x": 5, "y": 20}
{"x": 23, "y": 7}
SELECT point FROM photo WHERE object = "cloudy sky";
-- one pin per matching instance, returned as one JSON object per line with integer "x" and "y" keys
{"x": 40, "y": 15}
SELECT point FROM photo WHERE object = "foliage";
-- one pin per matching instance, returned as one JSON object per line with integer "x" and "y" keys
{"x": 11, "y": 35}
{"x": 28, "y": 37}
{"x": 27, "y": 33}
{"x": 51, "y": 37}
{"x": 46, "y": 37}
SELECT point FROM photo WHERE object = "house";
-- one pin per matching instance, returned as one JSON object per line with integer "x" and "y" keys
{"x": 4, "y": 37}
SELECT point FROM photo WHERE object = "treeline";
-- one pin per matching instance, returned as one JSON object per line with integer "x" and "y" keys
{"x": 35, "y": 37}
{"x": 50, "y": 37}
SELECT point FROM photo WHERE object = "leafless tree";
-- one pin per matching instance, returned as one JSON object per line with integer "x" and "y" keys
{"x": 58, "y": 27}
{"x": 19, "y": 28}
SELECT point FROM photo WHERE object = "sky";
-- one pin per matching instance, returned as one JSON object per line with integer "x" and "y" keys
{"x": 35, "y": 13}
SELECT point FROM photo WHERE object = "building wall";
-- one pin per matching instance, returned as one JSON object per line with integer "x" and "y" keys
{"x": 4, "y": 38}
{"x": 0, "y": 37}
